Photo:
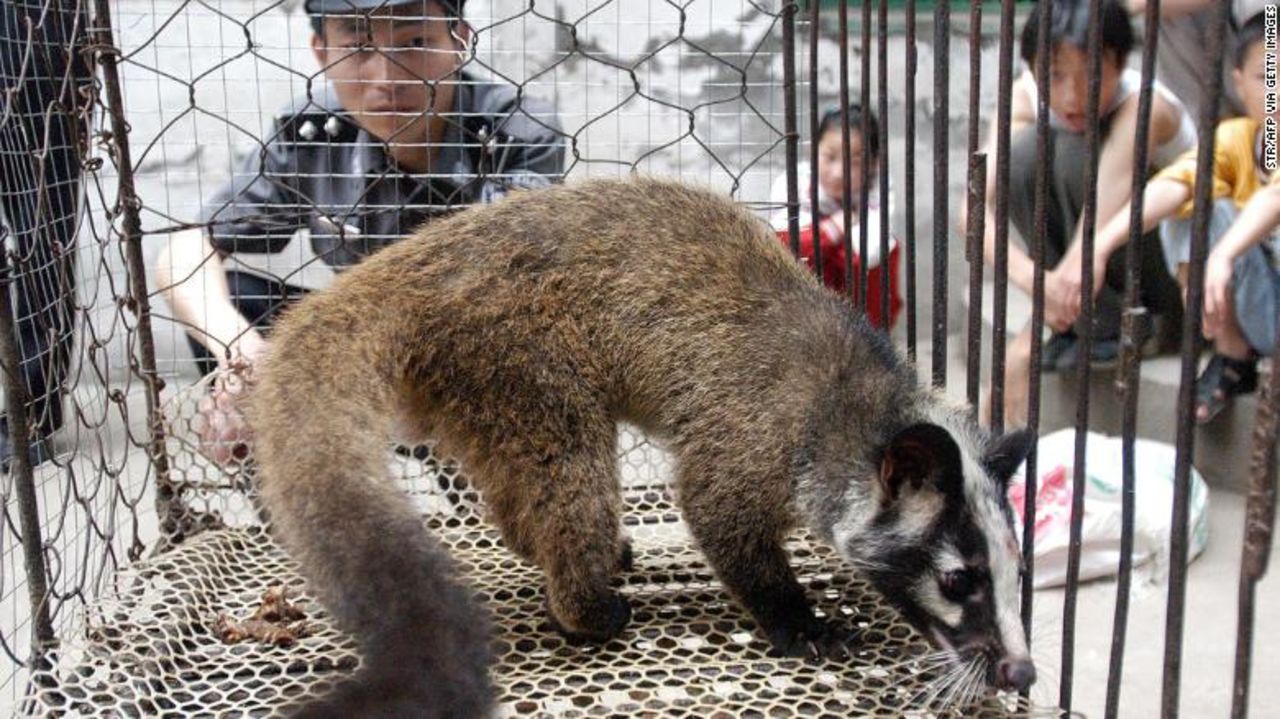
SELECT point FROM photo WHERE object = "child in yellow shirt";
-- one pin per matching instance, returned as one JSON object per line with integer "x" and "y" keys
{"x": 1242, "y": 279}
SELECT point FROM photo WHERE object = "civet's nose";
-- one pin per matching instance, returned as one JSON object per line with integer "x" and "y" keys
{"x": 1015, "y": 674}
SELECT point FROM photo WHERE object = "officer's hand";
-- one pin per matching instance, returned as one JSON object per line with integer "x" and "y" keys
{"x": 224, "y": 433}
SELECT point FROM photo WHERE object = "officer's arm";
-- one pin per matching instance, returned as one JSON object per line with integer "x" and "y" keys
{"x": 192, "y": 278}
{"x": 540, "y": 161}
{"x": 534, "y": 148}
{"x": 257, "y": 211}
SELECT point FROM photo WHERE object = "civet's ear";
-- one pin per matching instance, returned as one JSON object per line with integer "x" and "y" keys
{"x": 1006, "y": 453}
{"x": 921, "y": 457}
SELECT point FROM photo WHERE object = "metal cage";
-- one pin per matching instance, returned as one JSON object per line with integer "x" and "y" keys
{"x": 123, "y": 544}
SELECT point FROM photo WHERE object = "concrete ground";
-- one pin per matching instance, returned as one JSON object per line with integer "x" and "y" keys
{"x": 1209, "y": 634}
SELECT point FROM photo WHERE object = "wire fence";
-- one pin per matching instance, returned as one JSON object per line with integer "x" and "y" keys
{"x": 143, "y": 142}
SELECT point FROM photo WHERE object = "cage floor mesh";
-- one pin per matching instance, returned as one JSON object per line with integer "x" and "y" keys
{"x": 148, "y": 647}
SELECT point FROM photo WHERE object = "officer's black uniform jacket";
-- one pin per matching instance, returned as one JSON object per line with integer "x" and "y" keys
{"x": 319, "y": 170}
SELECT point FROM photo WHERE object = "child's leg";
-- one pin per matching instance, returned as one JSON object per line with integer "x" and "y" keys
{"x": 1017, "y": 379}
{"x": 1252, "y": 323}
{"x": 1175, "y": 240}
{"x": 1060, "y": 210}
{"x": 1248, "y": 329}
{"x": 1229, "y": 341}
{"x": 1017, "y": 382}
{"x": 1232, "y": 370}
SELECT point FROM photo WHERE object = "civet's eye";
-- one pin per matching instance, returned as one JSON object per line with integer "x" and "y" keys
{"x": 958, "y": 585}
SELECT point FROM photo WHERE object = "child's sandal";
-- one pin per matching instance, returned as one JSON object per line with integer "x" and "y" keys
{"x": 1222, "y": 380}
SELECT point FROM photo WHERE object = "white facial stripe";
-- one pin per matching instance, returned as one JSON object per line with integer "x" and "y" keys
{"x": 1002, "y": 548}
{"x": 917, "y": 512}
{"x": 1004, "y": 563}
{"x": 929, "y": 597}
{"x": 1003, "y": 558}
{"x": 853, "y": 524}
{"x": 949, "y": 559}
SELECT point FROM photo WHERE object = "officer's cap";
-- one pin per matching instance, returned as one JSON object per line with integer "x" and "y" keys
{"x": 349, "y": 7}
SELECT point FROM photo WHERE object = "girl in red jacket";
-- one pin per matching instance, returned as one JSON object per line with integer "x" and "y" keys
{"x": 831, "y": 234}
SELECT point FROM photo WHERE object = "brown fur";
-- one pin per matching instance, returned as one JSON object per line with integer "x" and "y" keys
{"x": 519, "y": 334}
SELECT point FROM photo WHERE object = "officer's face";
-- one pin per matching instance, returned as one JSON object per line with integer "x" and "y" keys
{"x": 387, "y": 68}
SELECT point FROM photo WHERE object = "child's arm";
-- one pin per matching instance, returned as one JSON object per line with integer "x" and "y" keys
{"x": 1160, "y": 200}
{"x": 1257, "y": 221}
{"x": 1115, "y": 186}
{"x": 1115, "y": 173}
{"x": 1171, "y": 8}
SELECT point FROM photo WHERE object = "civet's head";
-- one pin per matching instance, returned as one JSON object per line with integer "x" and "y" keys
{"x": 934, "y": 533}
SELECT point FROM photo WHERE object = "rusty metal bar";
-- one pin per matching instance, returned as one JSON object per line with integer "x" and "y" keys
{"x": 1129, "y": 375}
{"x": 1000, "y": 271}
{"x": 865, "y": 131}
{"x": 909, "y": 232}
{"x": 846, "y": 194}
{"x": 1259, "y": 527}
{"x": 973, "y": 367}
{"x": 127, "y": 207}
{"x": 814, "y": 214}
{"x": 1044, "y": 165}
{"x": 789, "y": 123}
{"x": 1089, "y": 223}
{"x": 1191, "y": 344}
{"x": 975, "y": 88}
{"x": 882, "y": 77}
{"x": 977, "y": 226}
{"x": 941, "y": 127}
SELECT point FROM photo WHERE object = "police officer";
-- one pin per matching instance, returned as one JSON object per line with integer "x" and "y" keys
{"x": 399, "y": 132}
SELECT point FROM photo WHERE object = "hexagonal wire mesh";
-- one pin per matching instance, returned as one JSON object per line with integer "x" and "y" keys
{"x": 150, "y": 645}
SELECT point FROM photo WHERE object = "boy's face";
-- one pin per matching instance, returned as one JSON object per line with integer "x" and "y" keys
{"x": 1251, "y": 84}
{"x": 386, "y": 69}
{"x": 1069, "y": 84}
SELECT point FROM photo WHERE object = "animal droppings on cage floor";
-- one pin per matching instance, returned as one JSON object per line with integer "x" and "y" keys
{"x": 149, "y": 645}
